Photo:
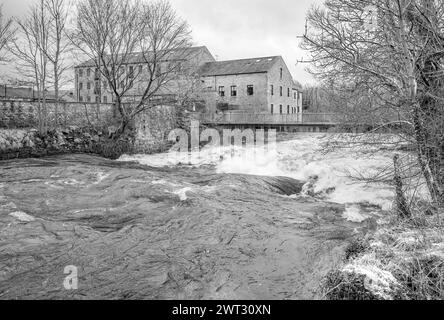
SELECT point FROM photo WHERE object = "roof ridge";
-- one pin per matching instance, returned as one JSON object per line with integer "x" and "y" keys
{"x": 245, "y": 59}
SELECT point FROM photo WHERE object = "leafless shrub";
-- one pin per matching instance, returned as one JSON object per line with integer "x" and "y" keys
{"x": 387, "y": 78}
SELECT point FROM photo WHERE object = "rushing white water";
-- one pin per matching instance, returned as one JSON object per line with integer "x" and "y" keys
{"x": 328, "y": 176}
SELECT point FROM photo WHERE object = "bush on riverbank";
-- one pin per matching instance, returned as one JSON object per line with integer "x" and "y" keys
{"x": 403, "y": 260}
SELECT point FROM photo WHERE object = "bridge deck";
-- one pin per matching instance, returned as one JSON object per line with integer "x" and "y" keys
{"x": 327, "y": 119}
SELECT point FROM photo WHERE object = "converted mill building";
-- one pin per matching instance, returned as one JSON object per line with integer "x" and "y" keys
{"x": 256, "y": 85}
{"x": 90, "y": 85}
{"x": 259, "y": 85}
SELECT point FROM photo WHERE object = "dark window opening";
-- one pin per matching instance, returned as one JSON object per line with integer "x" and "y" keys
{"x": 288, "y": 109}
{"x": 272, "y": 109}
{"x": 272, "y": 90}
{"x": 280, "y": 109}
{"x": 222, "y": 91}
{"x": 281, "y": 91}
{"x": 281, "y": 73}
{"x": 233, "y": 91}
{"x": 131, "y": 72}
{"x": 250, "y": 90}
{"x": 288, "y": 92}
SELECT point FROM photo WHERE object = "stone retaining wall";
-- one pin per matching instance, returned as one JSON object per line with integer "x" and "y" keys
{"x": 19, "y": 122}
{"x": 26, "y": 114}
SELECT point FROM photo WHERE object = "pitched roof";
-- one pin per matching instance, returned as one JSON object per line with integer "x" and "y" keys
{"x": 243, "y": 66}
{"x": 137, "y": 57}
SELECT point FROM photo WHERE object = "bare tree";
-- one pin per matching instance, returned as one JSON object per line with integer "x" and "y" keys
{"x": 30, "y": 49}
{"x": 128, "y": 43}
{"x": 394, "y": 70}
{"x": 6, "y": 33}
{"x": 58, "y": 44}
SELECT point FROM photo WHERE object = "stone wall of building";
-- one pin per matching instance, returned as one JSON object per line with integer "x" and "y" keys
{"x": 288, "y": 101}
{"x": 242, "y": 101}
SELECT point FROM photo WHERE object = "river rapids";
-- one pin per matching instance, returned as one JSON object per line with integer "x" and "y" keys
{"x": 155, "y": 227}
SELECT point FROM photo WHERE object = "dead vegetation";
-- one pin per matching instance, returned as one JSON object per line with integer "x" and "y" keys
{"x": 403, "y": 260}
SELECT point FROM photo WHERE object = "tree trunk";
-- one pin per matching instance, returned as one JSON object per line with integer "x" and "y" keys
{"x": 402, "y": 208}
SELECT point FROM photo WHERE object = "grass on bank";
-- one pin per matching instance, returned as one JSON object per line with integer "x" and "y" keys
{"x": 403, "y": 260}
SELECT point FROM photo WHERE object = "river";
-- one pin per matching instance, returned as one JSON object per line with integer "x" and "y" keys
{"x": 153, "y": 227}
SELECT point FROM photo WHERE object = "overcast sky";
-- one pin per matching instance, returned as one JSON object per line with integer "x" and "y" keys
{"x": 235, "y": 29}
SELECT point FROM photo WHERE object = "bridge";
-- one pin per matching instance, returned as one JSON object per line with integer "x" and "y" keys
{"x": 282, "y": 122}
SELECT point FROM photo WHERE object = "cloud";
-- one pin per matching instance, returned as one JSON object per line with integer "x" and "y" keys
{"x": 235, "y": 29}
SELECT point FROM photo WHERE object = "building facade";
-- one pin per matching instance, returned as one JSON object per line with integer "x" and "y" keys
{"x": 91, "y": 86}
{"x": 257, "y": 85}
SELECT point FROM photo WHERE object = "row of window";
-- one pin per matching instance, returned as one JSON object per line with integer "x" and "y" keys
{"x": 290, "y": 110}
{"x": 122, "y": 70}
{"x": 233, "y": 91}
{"x": 97, "y": 99}
{"x": 89, "y": 85}
{"x": 250, "y": 91}
{"x": 281, "y": 92}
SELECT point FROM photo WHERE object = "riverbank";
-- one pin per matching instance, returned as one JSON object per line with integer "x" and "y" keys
{"x": 402, "y": 260}
{"x": 29, "y": 143}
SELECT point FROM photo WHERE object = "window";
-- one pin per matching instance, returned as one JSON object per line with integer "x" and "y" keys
{"x": 233, "y": 91}
{"x": 288, "y": 109}
{"x": 250, "y": 90}
{"x": 97, "y": 99}
{"x": 81, "y": 99}
{"x": 222, "y": 91}
{"x": 131, "y": 72}
{"x": 272, "y": 90}
{"x": 80, "y": 72}
{"x": 105, "y": 99}
{"x": 280, "y": 109}
{"x": 158, "y": 71}
{"x": 88, "y": 72}
{"x": 272, "y": 109}
{"x": 281, "y": 73}
{"x": 281, "y": 91}
{"x": 288, "y": 92}
{"x": 88, "y": 99}
{"x": 88, "y": 86}
{"x": 81, "y": 86}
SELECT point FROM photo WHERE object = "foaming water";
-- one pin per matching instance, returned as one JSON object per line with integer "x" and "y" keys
{"x": 327, "y": 175}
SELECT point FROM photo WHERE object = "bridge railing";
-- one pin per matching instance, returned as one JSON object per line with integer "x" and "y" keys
{"x": 269, "y": 119}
